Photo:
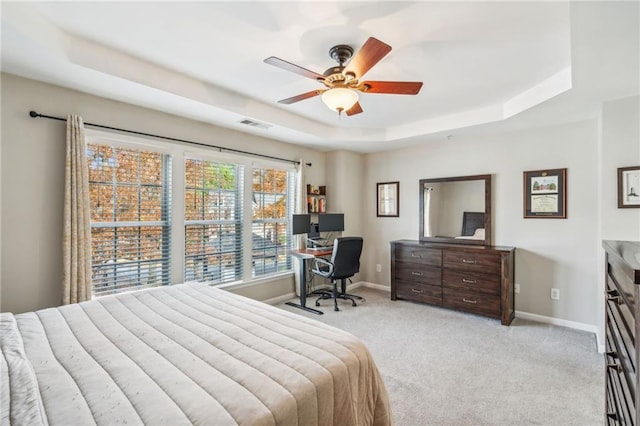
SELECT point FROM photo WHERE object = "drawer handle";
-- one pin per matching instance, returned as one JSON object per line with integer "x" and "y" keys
{"x": 417, "y": 273}
{"x": 416, "y": 255}
{"x": 612, "y": 354}
{"x": 614, "y": 296}
{"x": 416, "y": 291}
{"x": 468, "y": 261}
{"x": 615, "y": 299}
{"x": 612, "y": 416}
{"x": 464, "y": 280}
{"x": 614, "y": 366}
{"x": 464, "y": 299}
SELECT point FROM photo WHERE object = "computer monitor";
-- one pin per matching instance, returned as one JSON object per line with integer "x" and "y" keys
{"x": 313, "y": 231}
{"x": 329, "y": 222}
{"x": 300, "y": 224}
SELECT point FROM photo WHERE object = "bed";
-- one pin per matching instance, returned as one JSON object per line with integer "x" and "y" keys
{"x": 184, "y": 354}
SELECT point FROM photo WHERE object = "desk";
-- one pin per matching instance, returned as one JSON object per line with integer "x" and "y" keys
{"x": 304, "y": 256}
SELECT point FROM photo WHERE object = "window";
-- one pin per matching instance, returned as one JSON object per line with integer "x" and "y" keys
{"x": 213, "y": 221}
{"x": 271, "y": 230}
{"x": 130, "y": 199}
{"x": 160, "y": 215}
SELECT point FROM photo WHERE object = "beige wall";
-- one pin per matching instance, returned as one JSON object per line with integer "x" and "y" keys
{"x": 550, "y": 253}
{"x": 564, "y": 254}
{"x": 345, "y": 189}
{"x": 620, "y": 147}
{"x": 32, "y": 180}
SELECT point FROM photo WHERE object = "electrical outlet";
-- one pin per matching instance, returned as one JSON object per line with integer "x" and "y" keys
{"x": 555, "y": 293}
{"x": 516, "y": 288}
{"x": 378, "y": 267}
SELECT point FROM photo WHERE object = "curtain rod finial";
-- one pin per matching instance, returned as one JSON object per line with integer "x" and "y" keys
{"x": 33, "y": 114}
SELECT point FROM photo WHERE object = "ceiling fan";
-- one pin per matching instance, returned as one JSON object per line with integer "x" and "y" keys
{"x": 343, "y": 82}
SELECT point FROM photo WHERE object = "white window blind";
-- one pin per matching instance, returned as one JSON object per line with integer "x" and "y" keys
{"x": 213, "y": 201}
{"x": 273, "y": 203}
{"x": 130, "y": 197}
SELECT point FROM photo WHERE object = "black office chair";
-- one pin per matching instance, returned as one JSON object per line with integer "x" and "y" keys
{"x": 344, "y": 264}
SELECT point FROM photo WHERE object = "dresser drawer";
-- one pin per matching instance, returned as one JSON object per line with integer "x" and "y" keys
{"x": 624, "y": 316}
{"x": 416, "y": 254}
{"x": 471, "y": 281}
{"x": 620, "y": 408}
{"x": 472, "y": 261}
{"x": 418, "y": 273}
{"x": 419, "y": 292}
{"x": 621, "y": 350}
{"x": 624, "y": 284}
{"x": 479, "y": 303}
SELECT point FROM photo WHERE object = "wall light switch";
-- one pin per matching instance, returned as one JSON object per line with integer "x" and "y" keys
{"x": 378, "y": 267}
{"x": 516, "y": 288}
{"x": 555, "y": 293}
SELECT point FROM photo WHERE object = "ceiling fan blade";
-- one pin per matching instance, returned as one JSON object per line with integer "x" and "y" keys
{"x": 301, "y": 97}
{"x": 369, "y": 54}
{"x": 281, "y": 63}
{"x": 355, "y": 109}
{"x": 391, "y": 87}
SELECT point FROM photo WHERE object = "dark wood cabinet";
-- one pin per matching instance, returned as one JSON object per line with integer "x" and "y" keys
{"x": 621, "y": 328}
{"x": 476, "y": 279}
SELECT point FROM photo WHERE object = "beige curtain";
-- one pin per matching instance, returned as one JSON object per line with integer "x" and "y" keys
{"x": 76, "y": 250}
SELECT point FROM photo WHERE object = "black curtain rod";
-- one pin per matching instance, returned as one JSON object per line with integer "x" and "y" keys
{"x": 34, "y": 114}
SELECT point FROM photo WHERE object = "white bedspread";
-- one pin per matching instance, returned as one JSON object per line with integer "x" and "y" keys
{"x": 184, "y": 354}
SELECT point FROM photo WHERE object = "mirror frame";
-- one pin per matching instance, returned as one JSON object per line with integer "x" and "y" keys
{"x": 487, "y": 211}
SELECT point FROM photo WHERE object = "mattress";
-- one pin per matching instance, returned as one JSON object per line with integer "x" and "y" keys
{"x": 184, "y": 354}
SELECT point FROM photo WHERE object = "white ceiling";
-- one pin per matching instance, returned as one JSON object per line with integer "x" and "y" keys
{"x": 481, "y": 62}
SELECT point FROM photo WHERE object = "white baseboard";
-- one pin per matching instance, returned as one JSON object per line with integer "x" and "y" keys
{"x": 372, "y": 285}
{"x": 279, "y": 299}
{"x": 564, "y": 323}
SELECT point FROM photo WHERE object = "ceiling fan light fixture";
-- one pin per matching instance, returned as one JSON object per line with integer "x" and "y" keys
{"x": 340, "y": 99}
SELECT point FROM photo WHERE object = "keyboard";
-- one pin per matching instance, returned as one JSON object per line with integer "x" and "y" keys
{"x": 324, "y": 248}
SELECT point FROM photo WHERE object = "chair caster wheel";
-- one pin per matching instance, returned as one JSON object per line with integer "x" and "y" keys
{"x": 336, "y": 309}
{"x": 317, "y": 304}
{"x": 354, "y": 305}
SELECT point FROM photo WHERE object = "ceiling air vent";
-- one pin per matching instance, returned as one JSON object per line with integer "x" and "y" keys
{"x": 257, "y": 124}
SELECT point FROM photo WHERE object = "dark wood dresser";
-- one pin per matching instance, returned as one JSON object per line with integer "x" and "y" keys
{"x": 621, "y": 329}
{"x": 471, "y": 278}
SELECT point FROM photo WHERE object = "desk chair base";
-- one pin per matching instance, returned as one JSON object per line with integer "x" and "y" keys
{"x": 324, "y": 295}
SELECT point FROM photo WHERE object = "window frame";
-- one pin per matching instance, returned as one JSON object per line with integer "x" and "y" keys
{"x": 237, "y": 222}
{"x": 133, "y": 281}
{"x": 286, "y": 220}
{"x": 179, "y": 152}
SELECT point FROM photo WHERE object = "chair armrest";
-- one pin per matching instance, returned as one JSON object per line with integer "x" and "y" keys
{"x": 322, "y": 267}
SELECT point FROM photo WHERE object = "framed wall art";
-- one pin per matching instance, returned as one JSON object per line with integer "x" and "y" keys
{"x": 629, "y": 187}
{"x": 545, "y": 194}
{"x": 388, "y": 199}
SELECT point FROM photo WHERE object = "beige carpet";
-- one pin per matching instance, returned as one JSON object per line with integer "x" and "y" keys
{"x": 443, "y": 367}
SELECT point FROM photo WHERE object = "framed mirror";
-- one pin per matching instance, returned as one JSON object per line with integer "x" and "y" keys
{"x": 456, "y": 210}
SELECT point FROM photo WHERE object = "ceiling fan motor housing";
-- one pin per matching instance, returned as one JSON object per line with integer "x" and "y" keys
{"x": 334, "y": 76}
{"x": 341, "y": 53}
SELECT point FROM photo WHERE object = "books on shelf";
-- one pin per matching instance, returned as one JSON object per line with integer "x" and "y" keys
{"x": 316, "y": 205}
{"x": 316, "y": 202}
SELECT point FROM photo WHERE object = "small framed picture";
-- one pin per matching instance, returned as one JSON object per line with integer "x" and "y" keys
{"x": 545, "y": 194}
{"x": 387, "y": 199}
{"x": 629, "y": 187}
